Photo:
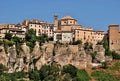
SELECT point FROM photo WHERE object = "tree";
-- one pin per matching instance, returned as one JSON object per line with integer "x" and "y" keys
{"x": 8, "y": 36}
{"x": 34, "y": 75}
{"x": 72, "y": 70}
{"x": 30, "y": 35}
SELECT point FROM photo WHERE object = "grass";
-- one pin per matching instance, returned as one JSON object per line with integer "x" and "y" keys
{"x": 115, "y": 67}
{"x": 102, "y": 76}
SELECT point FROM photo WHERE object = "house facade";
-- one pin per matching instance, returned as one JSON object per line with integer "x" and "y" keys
{"x": 63, "y": 36}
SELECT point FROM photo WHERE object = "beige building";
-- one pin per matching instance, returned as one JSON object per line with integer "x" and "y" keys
{"x": 79, "y": 32}
{"x": 63, "y": 28}
{"x": 114, "y": 38}
{"x": 12, "y": 28}
{"x": 88, "y": 35}
{"x": 41, "y": 27}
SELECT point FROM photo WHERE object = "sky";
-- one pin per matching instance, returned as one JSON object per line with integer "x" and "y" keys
{"x": 98, "y": 14}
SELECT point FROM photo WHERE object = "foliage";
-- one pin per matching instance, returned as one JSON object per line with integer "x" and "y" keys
{"x": 87, "y": 46}
{"x": 49, "y": 71}
{"x": 19, "y": 75}
{"x": 2, "y": 69}
{"x": 1, "y": 42}
{"x": 101, "y": 76}
{"x": 34, "y": 75}
{"x": 72, "y": 70}
{"x": 104, "y": 65}
{"x": 82, "y": 75}
{"x": 30, "y": 38}
{"x": 77, "y": 42}
{"x": 8, "y": 36}
{"x": 7, "y": 43}
{"x": 115, "y": 55}
{"x": 93, "y": 54}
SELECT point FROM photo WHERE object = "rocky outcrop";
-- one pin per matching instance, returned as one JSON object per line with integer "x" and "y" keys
{"x": 3, "y": 56}
{"x": 72, "y": 54}
{"x": 100, "y": 53}
{"x": 46, "y": 55}
{"x": 49, "y": 53}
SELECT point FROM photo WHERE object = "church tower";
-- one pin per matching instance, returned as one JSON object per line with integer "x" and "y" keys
{"x": 55, "y": 22}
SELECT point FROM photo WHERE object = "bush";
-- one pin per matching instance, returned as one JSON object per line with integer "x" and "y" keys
{"x": 8, "y": 36}
{"x": 116, "y": 55}
{"x": 87, "y": 45}
{"x": 72, "y": 70}
{"x": 82, "y": 75}
{"x": 77, "y": 42}
{"x": 34, "y": 75}
{"x": 104, "y": 65}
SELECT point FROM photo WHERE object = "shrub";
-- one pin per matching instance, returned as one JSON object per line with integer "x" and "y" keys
{"x": 72, "y": 70}
{"x": 115, "y": 55}
{"x": 104, "y": 65}
{"x": 8, "y": 36}
{"x": 82, "y": 75}
{"x": 77, "y": 42}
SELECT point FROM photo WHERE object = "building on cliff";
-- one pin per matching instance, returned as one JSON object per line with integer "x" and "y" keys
{"x": 40, "y": 27}
{"x": 114, "y": 38}
{"x": 74, "y": 31}
{"x": 15, "y": 29}
{"x": 63, "y": 28}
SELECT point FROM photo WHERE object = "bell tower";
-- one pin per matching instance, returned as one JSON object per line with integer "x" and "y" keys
{"x": 55, "y": 22}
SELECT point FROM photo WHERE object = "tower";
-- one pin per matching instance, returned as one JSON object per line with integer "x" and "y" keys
{"x": 114, "y": 37}
{"x": 55, "y": 22}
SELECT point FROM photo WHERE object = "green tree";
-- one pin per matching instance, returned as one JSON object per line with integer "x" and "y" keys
{"x": 8, "y": 36}
{"x": 82, "y": 75}
{"x": 30, "y": 35}
{"x": 30, "y": 38}
{"x": 34, "y": 75}
{"x": 72, "y": 70}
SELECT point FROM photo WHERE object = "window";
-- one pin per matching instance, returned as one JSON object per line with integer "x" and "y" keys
{"x": 65, "y": 22}
{"x": 84, "y": 32}
{"x": 59, "y": 36}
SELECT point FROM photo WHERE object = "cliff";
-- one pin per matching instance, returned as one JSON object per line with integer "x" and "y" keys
{"x": 49, "y": 53}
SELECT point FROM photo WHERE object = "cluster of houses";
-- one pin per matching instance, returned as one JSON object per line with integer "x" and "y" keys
{"x": 64, "y": 30}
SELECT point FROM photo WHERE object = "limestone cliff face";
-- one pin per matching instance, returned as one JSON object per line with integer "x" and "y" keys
{"x": 3, "y": 56}
{"x": 100, "y": 53}
{"x": 72, "y": 54}
{"x": 46, "y": 54}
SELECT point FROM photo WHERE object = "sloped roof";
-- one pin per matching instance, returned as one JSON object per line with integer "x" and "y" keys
{"x": 67, "y": 17}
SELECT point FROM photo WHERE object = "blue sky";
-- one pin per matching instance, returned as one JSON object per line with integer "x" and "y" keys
{"x": 90, "y": 13}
